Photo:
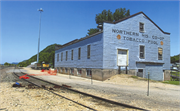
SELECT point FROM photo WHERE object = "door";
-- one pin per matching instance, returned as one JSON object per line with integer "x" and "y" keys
{"x": 122, "y": 58}
{"x": 140, "y": 73}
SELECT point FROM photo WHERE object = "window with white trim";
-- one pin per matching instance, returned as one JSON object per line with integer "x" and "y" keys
{"x": 160, "y": 52}
{"x": 141, "y": 27}
{"x": 141, "y": 52}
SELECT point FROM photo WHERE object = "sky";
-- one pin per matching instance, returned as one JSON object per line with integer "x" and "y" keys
{"x": 64, "y": 21}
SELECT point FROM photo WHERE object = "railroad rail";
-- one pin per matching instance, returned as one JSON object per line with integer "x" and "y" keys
{"x": 83, "y": 93}
{"x": 3, "y": 67}
{"x": 43, "y": 87}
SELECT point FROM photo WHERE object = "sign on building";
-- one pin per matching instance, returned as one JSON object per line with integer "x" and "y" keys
{"x": 122, "y": 58}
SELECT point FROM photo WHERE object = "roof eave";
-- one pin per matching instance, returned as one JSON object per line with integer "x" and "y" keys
{"x": 78, "y": 40}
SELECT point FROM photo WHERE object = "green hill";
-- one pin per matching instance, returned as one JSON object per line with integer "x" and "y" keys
{"x": 46, "y": 55}
{"x": 175, "y": 58}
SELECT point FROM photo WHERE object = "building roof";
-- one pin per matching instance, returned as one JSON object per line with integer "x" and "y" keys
{"x": 135, "y": 15}
{"x": 78, "y": 40}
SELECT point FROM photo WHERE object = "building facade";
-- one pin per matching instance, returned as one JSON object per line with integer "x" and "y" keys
{"x": 134, "y": 43}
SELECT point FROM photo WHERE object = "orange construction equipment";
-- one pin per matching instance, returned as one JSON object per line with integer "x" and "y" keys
{"x": 49, "y": 72}
{"x": 42, "y": 70}
{"x": 24, "y": 77}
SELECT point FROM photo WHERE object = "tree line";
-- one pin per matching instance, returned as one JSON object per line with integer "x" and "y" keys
{"x": 46, "y": 55}
{"x": 175, "y": 58}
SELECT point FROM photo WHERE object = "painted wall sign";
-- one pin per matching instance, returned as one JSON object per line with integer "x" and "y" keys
{"x": 162, "y": 43}
{"x": 136, "y": 39}
{"x": 125, "y": 32}
{"x": 118, "y": 36}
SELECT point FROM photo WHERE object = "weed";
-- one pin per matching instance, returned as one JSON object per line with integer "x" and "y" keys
{"x": 134, "y": 76}
{"x": 172, "y": 82}
{"x": 166, "y": 82}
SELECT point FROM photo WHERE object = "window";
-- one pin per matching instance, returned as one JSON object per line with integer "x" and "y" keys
{"x": 141, "y": 54}
{"x": 66, "y": 70}
{"x": 141, "y": 27}
{"x": 57, "y": 57}
{"x": 61, "y": 70}
{"x": 61, "y": 56}
{"x": 71, "y": 54}
{"x": 79, "y": 53}
{"x": 79, "y": 71}
{"x": 140, "y": 70}
{"x": 72, "y": 71}
{"x": 89, "y": 72}
{"x": 88, "y": 51}
{"x": 160, "y": 52}
{"x": 140, "y": 73}
{"x": 66, "y": 55}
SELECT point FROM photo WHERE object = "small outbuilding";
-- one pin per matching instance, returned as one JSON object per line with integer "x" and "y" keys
{"x": 134, "y": 45}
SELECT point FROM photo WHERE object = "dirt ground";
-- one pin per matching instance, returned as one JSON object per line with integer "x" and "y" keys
{"x": 121, "y": 88}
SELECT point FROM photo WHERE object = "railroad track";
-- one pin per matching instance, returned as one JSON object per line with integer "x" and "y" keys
{"x": 43, "y": 83}
{"x": 4, "y": 67}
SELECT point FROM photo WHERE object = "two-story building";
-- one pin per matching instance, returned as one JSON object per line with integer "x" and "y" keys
{"x": 135, "y": 44}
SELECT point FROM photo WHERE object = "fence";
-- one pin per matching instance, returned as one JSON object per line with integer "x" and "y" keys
{"x": 175, "y": 74}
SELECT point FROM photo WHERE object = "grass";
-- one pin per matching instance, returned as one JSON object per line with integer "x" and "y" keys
{"x": 135, "y": 77}
{"x": 172, "y": 82}
{"x": 166, "y": 82}
{"x": 144, "y": 79}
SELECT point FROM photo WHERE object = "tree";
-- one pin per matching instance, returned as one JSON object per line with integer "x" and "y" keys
{"x": 51, "y": 58}
{"x": 7, "y": 64}
{"x": 127, "y": 13}
{"x": 175, "y": 58}
{"x": 92, "y": 31}
{"x": 120, "y": 13}
{"x": 22, "y": 64}
{"x": 104, "y": 16}
{"x": 100, "y": 18}
{"x": 109, "y": 16}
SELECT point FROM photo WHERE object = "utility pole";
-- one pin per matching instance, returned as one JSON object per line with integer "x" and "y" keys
{"x": 41, "y": 10}
{"x": 148, "y": 85}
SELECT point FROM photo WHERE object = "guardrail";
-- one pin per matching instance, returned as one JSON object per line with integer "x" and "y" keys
{"x": 175, "y": 74}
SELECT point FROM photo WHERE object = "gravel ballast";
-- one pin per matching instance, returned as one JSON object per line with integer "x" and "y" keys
{"x": 121, "y": 88}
